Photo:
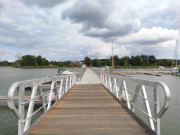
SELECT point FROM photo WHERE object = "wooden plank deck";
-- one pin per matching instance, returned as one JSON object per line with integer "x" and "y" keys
{"x": 88, "y": 109}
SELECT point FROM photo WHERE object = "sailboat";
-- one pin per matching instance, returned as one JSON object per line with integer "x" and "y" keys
{"x": 176, "y": 70}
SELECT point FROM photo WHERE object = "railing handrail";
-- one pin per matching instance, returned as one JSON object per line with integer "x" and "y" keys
{"x": 149, "y": 83}
{"x": 109, "y": 81}
{"x": 65, "y": 83}
{"x": 27, "y": 83}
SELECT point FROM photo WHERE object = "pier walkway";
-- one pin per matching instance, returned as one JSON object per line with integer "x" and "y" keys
{"x": 88, "y": 109}
{"x": 89, "y": 77}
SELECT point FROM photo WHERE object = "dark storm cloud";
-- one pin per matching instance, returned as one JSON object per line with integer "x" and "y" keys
{"x": 152, "y": 42}
{"x": 119, "y": 30}
{"x": 92, "y": 13}
{"x": 44, "y": 3}
{"x": 97, "y": 14}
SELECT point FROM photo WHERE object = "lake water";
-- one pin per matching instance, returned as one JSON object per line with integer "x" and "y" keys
{"x": 8, "y": 123}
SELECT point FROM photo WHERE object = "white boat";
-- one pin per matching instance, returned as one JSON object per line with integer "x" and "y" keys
{"x": 64, "y": 72}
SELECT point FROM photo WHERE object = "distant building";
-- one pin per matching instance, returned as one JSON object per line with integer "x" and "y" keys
{"x": 74, "y": 64}
{"x": 88, "y": 63}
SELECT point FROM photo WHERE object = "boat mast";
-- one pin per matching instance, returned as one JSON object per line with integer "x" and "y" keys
{"x": 176, "y": 51}
{"x": 112, "y": 68}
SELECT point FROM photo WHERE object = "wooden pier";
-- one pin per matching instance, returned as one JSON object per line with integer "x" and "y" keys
{"x": 88, "y": 109}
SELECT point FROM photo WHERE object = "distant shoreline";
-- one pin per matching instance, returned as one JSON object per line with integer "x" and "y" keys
{"x": 116, "y": 67}
{"x": 28, "y": 67}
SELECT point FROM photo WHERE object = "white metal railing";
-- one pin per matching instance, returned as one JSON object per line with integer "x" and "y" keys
{"x": 59, "y": 85}
{"x": 124, "y": 94}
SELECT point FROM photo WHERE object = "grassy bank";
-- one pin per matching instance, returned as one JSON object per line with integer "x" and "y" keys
{"x": 37, "y": 67}
{"x": 4, "y": 66}
{"x": 51, "y": 66}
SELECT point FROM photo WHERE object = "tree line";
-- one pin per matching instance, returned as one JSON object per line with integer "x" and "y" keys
{"x": 139, "y": 60}
{"x": 31, "y": 60}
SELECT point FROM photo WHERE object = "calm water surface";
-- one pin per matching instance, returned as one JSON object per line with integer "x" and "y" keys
{"x": 170, "y": 122}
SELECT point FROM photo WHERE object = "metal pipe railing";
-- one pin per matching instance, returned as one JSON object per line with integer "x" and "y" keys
{"x": 65, "y": 82}
{"x": 134, "y": 104}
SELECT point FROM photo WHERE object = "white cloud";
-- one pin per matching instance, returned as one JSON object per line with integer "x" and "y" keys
{"x": 151, "y": 36}
{"x": 7, "y": 55}
{"x": 37, "y": 28}
{"x": 105, "y": 51}
{"x": 99, "y": 16}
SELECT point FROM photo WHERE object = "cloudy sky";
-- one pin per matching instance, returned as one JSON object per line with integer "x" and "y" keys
{"x": 72, "y": 29}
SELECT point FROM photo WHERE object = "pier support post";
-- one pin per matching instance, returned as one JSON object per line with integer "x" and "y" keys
{"x": 21, "y": 110}
{"x": 156, "y": 110}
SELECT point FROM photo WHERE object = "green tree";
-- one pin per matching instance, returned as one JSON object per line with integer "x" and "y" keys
{"x": 116, "y": 60}
{"x": 151, "y": 59}
{"x": 107, "y": 62}
{"x": 61, "y": 64}
{"x": 96, "y": 63}
{"x": 45, "y": 62}
{"x": 39, "y": 60}
{"x": 28, "y": 60}
{"x": 87, "y": 61}
{"x": 124, "y": 61}
{"x": 137, "y": 61}
{"x": 5, "y": 63}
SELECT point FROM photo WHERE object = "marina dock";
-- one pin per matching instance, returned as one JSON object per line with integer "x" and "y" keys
{"x": 88, "y": 109}
{"x": 91, "y": 105}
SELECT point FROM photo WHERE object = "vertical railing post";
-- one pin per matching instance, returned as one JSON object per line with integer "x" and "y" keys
{"x": 75, "y": 78}
{"x": 31, "y": 107}
{"x": 60, "y": 88}
{"x": 70, "y": 79}
{"x": 66, "y": 88}
{"x": 156, "y": 110}
{"x": 120, "y": 88}
{"x": 106, "y": 81}
{"x": 110, "y": 84}
{"x": 21, "y": 110}
{"x": 56, "y": 91}
{"x": 126, "y": 94}
{"x": 115, "y": 87}
{"x": 42, "y": 97}
{"x": 103, "y": 79}
{"x": 148, "y": 109}
{"x": 50, "y": 95}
